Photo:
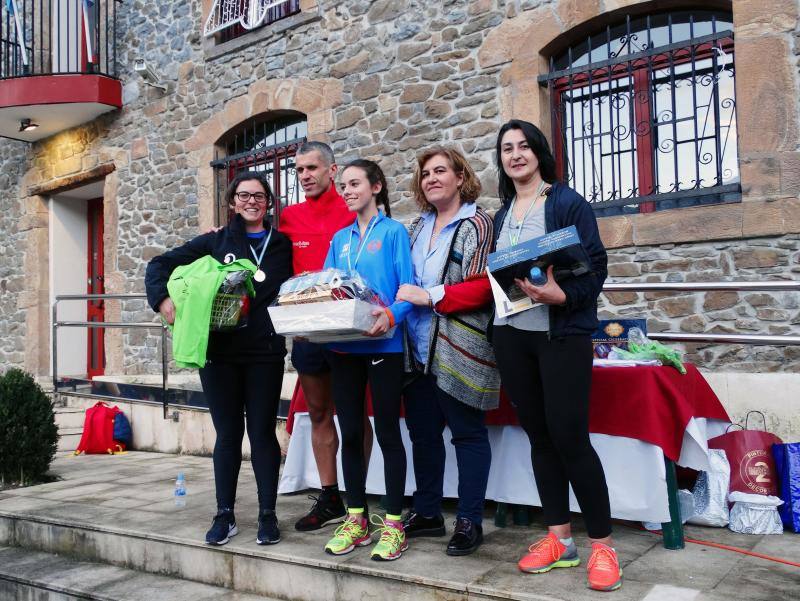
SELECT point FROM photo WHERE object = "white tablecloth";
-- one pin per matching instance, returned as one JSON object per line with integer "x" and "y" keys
{"x": 634, "y": 469}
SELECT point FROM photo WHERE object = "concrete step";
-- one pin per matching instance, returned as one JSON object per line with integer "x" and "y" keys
{"x": 68, "y": 438}
{"x": 32, "y": 576}
{"x": 69, "y": 417}
{"x": 118, "y": 511}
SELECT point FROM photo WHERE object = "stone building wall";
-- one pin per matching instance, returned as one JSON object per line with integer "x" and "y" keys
{"x": 720, "y": 312}
{"x": 13, "y": 158}
{"x": 383, "y": 79}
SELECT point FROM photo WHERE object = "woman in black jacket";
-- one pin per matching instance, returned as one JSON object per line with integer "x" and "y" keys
{"x": 244, "y": 369}
{"x": 544, "y": 355}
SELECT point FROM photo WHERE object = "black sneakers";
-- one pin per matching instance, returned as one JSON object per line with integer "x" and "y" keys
{"x": 268, "y": 532}
{"x": 328, "y": 508}
{"x": 222, "y": 528}
{"x": 467, "y": 537}
{"x": 416, "y": 525}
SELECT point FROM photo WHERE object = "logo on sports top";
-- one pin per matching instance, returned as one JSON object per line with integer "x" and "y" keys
{"x": 374, "y": 246}
{"x": 755, "y": 471}
{"x": 229, "y": 258}
{"x": 301, "y": 243}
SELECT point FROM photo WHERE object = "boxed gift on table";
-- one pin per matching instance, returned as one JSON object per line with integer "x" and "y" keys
{"x": 613, "y": 333}
{"x": 326, "y": 306}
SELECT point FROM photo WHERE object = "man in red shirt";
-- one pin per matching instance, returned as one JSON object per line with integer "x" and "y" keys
{"x": 310, "y": 226}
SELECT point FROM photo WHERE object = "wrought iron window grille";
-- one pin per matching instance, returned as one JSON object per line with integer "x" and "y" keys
{"x": 262, "y": 145}
{"x": 644, "y": 113}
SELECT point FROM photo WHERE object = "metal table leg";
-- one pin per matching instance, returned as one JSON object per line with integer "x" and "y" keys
{"x": 672, "y": 530}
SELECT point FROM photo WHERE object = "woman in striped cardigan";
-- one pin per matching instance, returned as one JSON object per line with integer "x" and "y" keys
{"x": 454, "y": 377}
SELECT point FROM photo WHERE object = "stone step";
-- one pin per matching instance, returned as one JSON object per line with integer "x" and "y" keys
{"x": 68, "y": 438}
{"x": 69, "y": 417}
{"x": 119, "y": 510}
{"x": 27, "y": 575}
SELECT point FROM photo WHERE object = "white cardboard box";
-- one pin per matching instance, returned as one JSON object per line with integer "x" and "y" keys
{"x": 328, "y": 321}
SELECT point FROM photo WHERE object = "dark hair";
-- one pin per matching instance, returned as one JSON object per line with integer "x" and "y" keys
{"x": 539, "y": 146}
{"x": 470, "y": 188}
{"x": 321, "y": 147}
{"x": 374, "y": 176}
{"x": 246, "y": 176}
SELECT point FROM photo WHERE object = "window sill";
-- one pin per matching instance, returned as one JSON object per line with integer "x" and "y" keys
{"x": 757, "y": 217}
{"x": 213, "y": 51}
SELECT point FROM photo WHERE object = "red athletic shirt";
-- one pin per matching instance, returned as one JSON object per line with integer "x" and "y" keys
{"x": 310, "y": 226}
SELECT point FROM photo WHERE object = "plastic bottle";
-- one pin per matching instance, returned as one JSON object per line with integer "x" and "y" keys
{"x": 180, "y": 491}
{"x": 537, "y": 276}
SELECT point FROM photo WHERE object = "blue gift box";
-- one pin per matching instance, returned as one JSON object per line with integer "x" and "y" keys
{"x": 561, "y": 248}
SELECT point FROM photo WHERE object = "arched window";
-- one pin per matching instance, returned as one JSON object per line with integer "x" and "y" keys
{"x": 644, "y": 113}
{"x": 262, "y": 144}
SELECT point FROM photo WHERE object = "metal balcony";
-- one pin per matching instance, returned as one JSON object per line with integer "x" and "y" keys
{"x": 58, "y": 65}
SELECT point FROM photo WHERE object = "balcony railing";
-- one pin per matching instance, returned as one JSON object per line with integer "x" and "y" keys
{"x": 54, "y": 37}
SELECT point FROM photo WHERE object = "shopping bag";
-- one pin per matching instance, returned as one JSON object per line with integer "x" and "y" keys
{"x": 755, "y": 514}
{"x": 711, "y": 492}
{"x": 749, "y": 454}
{"x": 787, "y": 465}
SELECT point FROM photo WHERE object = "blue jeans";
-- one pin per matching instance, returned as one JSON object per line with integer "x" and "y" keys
{"x": 428, "y": 409}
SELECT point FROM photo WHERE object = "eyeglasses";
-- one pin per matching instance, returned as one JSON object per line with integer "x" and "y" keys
{"x": 258, "y": 197}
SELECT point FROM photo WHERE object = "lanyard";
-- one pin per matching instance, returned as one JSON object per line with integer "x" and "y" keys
{"x": 361, "y": 246}
{"x": 512, "y": 240}
{"x": 263, "y": 250}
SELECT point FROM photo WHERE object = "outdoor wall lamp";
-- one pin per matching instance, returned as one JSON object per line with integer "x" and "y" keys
{"x": 27, "y": 125}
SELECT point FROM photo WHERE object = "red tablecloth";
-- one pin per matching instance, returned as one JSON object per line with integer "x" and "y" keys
{"x": 652, "y": 404}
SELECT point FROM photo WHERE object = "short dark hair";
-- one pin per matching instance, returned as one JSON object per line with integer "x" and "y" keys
{"x": 374, "y": 176}
{"x": 538, "y": 143}
{"x": 322, "y": 148}
{"x": 246, "y": 176}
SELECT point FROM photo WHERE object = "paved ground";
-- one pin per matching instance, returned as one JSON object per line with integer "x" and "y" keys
{"x": 133, "y": 493}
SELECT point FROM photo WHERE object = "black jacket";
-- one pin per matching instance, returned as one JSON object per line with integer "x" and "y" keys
{"x": 565, "y": 207}
{"x": 257, "y": 342}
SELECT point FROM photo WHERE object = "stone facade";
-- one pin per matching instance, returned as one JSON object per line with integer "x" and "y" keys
{"x": 721, "y": 312}
{"x": 13, "y": 304}
{"x": 384, "y": 79}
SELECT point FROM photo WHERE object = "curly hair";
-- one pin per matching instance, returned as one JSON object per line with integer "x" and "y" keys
{"x": 470, "y": 188}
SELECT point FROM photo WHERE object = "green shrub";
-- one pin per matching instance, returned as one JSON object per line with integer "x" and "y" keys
{"x": 28, "y": 431}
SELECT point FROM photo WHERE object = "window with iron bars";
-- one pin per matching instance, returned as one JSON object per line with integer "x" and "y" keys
{"x": 644, "y": 113}
{"x": 267, "y": 145}
{"x": 229, "y": 19}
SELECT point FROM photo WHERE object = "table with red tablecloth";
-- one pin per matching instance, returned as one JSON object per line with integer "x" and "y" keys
{"x": 638, "y": 416}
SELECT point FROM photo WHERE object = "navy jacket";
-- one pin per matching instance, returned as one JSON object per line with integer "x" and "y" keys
{"x": 257, "y": 342}
{"x": 565, "y": 207}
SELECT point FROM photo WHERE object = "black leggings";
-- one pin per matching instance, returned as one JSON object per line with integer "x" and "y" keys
{"x": 548, "y": 382}
{"x": 350, "y": 373}
{"x": 234, "y": 390}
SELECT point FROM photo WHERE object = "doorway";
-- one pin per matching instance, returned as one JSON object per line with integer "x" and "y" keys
{"x": 95, "y": 309}
{"x": 76, "y": 260}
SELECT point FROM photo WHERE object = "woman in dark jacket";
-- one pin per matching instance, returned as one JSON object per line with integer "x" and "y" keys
{"x": 244, "y": 369}
{"x": 544, "y": 355}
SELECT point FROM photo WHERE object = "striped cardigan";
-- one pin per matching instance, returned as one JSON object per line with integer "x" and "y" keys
{"x": 460, "y": 356}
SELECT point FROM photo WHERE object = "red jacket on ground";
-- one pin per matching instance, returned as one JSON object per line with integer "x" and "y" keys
{"x": 310, "y": 225}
